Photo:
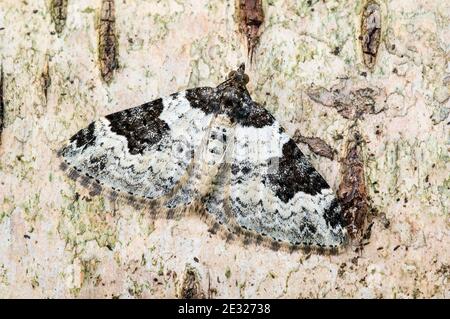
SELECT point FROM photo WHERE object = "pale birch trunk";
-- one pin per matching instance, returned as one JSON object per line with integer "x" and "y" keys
{"x": 55, "y": 243}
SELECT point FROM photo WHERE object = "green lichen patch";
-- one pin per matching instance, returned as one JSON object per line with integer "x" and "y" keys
{"x": 85, "y": 219}
{"x": 58, "y": 12}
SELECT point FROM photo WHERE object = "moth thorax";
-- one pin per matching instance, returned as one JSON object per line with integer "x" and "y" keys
{"x": 213, "y": 155}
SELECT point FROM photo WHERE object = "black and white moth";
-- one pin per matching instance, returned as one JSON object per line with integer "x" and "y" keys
{"x": 218, "y": 148}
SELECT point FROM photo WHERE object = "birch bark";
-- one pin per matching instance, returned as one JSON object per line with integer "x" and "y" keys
{"x": 59, "y": 242}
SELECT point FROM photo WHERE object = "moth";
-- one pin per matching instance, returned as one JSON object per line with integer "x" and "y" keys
{"x": 216, "y": 147}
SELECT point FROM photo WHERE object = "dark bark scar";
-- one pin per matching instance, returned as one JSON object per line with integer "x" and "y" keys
{"x": 108, "y": 51}
{"x": 315, "y": 145}
{"x": 251, "y": 17}
{"x": 370, "y": 32}
{"x": 45, "y": 80}
{"x": 190, "y": 284}
{"x": 352, "y": 191}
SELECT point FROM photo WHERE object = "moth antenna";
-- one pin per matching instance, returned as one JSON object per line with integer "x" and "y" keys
{"x": 241, "y": 68}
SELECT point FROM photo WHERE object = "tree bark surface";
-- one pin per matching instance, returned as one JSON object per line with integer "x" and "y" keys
{"x": 308, "y": 69}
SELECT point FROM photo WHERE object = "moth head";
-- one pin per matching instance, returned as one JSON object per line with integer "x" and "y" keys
{"x": 239, "y": 77}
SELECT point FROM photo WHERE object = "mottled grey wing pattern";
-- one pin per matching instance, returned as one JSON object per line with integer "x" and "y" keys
{"x": 267, "y": 186}
{"x": 142, "y": 151}
{"x": 219, "y": 146}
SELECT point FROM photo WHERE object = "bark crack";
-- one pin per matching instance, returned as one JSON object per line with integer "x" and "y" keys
{"x": 107, "y": 41}
{"x": 370, "y": 32}
{"x": 251, "y": 17}
{"x": 352, "y": 191}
